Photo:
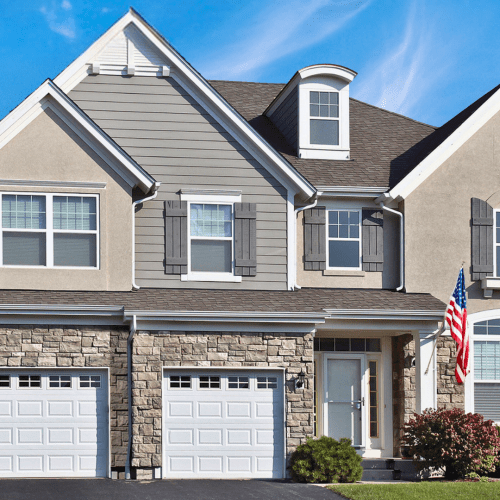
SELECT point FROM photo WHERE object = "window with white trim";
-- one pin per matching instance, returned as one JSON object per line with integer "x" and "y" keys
{"x": 49, "y": 230}
{"x": 344, "y": 239}
{"x": 487, "y": 369}
{"x": 324, "y": 118}
{"x": 210, "y": 238}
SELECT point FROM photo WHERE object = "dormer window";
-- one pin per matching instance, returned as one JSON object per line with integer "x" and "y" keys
{"x": 312, "y": 112}
{"x": 324, "y": 125}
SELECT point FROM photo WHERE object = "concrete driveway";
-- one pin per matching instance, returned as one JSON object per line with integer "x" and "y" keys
{"x": 94, "y": 489}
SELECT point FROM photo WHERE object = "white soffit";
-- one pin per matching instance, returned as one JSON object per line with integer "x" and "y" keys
{"x": 48, "y": 95}
{"x": 147, "y": 46}
{"x": 457, "y": 139}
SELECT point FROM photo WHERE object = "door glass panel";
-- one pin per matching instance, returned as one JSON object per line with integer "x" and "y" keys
{"x": 344, "y": 399}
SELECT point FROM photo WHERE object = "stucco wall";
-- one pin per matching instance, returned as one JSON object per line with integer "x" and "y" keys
{"x": 74, "y": 347}
{"x": 152, "y": 351}
{"x": 49, "y": 150}
{"x": 438, "y": 213}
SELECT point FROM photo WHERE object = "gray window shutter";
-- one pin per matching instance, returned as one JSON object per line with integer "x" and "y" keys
{"x": 176, "y": 237}
{"x": 373, "y": 240}
{"x": 481, "y": 239}
{"x": 245, "y": 239}
{"x": 315, "y": 239}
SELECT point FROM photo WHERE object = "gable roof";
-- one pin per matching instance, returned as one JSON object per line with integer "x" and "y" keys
{"x": 50, "y": 95}
{"x": 199, "y": 88}
{"x": 380, "y": 139}
{"x": 426, "y": 157}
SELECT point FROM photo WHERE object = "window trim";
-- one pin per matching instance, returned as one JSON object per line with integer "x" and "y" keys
{"x": 359, "y": 239}
{"x": 49, "y": 230}
{"x": 208, "y": 199}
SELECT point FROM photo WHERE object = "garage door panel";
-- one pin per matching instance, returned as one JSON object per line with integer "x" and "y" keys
{"x": 223, "y": 437}
{"x": 58, "y": 430}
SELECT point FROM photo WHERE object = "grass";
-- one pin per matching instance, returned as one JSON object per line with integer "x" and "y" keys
{"x": 420, "y": 491}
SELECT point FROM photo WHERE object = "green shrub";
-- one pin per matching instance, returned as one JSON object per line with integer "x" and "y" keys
{"x": 326, "y": 460}
{"x": 462, "y": 443}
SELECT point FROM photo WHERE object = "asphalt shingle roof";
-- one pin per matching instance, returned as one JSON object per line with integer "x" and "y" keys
{"x": 303, "y": 300}
{"x": 380, "y": 139}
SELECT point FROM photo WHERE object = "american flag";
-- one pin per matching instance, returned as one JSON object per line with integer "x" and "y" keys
{"x": 456, "y": 317}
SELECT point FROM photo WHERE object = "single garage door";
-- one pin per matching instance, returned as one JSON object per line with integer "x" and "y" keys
{"x": 220, "y": 424}
{"x": 53, "y": 423}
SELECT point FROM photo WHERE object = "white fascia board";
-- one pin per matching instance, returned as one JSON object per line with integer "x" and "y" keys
{"x": 350, "y": 191}
{"x": 457, "y": 139}
{"x": 239, "y": 126}
{"x": 227, "y": 316}
{"x": 385, "y": 314}
{"x": 39, "y": 99}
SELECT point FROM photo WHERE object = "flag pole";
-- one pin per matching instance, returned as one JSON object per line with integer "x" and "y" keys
{"x": 438, "y": 334}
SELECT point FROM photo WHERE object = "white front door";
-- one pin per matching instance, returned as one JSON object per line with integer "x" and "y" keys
{"x": 345, "y": 397}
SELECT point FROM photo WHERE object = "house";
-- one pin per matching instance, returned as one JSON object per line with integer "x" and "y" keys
{"x": 198, "y": 276}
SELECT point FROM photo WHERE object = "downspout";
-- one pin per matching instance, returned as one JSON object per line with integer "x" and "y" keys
{"x": 297, "y": 210}
{"x": 133, "y": 329}
{"x": 401, "y": 245}
{"x": 134, "y": 205}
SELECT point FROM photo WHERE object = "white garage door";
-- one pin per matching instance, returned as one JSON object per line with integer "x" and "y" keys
{"x": 53, "y": 423}
{"x": 223, "y": 424}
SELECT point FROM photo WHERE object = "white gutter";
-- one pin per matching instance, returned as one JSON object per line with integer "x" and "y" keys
{"x": 385, "y": 314}
{"x": 401, "y": 246}
{"x": 297, "y": 210}
{"x": 133, "y": 329}
{"x": 156, "y": 187}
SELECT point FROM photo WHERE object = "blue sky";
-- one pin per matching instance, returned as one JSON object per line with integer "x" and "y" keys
{"x": 427, "y": 59}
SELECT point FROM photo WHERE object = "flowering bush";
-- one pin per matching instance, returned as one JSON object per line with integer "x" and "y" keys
{"x": 326, "y": 460}
{"x": 462, "y": 443}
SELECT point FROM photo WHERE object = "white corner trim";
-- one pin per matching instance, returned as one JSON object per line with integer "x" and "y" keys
{"x": 204, "y": 92}
{"x": 291, "y": 254}
{"x": 54, "y": 184}
{"x": 457, "y": 139}
{"x": 49, "y": 89}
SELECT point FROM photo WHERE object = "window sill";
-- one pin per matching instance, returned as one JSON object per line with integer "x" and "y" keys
{"x": 224, "y": 277}
{"x": 488, "y": 285}
{"x": 340, "y": 272}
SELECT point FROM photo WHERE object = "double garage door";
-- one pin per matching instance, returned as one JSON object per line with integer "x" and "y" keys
{"x": 53, "y": 423}
{"x": 221, "y": 424}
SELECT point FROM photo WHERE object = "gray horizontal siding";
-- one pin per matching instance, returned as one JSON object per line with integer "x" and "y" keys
{"x": 167, "y": 132}
{"x": 286, "y": 117}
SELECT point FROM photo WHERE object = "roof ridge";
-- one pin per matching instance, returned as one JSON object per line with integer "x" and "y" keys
{"x": 242, "y": 81}
{"x": 434, "y": 127}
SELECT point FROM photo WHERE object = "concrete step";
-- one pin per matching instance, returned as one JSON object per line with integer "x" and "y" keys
{"x": 376, "y": 475}
{"x": 377, "y": 469}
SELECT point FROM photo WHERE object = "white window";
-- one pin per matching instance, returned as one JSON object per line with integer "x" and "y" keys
{"x": 211, "y": 238}
{"x": 487, "y": 369}
{"x": 344, "y": 239}
{"x": 89, "y": 381}
{"x": 49, "y": 230}
{"x": 324, "y": 118}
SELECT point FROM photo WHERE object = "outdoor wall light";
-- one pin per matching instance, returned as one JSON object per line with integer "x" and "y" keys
{"x": 300, "y": 380}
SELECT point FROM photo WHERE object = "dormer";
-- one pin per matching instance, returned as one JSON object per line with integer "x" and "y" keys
{"x": 312, "y": 112}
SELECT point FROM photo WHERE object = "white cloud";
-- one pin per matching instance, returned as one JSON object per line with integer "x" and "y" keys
{"x": 401, "y": 76}
{"x": 285, "y": 27}
{"x": 59, "y": 22}
{"x": 105, "y": 10}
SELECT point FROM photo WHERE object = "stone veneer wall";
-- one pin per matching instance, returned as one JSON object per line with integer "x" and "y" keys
{"x": 153, "y": 351}
{"x": 403, "y": 386}
{"x": 75, "y": 347}
{"x": 449, "y": 393}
